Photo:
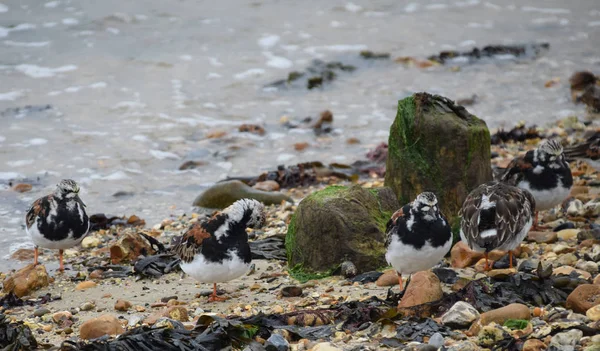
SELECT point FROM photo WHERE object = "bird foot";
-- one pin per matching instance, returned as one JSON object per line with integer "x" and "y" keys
{"x": 215, "y": 298}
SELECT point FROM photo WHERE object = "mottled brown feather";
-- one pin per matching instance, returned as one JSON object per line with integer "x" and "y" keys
{"x": 35, "y": 211}
{"x": 191, "y": 242}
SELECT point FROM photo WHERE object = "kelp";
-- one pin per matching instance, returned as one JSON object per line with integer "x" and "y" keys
{"x": 15, "y": 336}
{"x": 11, "y": 300}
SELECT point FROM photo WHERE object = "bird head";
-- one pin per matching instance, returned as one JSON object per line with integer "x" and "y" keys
{"x": 550, "y": 151}
{"x": 67, "y": 188}
{"x": 256, "y": 212}
{"x": 426, "y": 204}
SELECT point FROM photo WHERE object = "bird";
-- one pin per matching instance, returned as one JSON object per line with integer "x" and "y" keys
{"x": 418, "y": 236}
{"x": 217, "y": 250}
{"x": 58, "y": 220}
{"x": 544, "y": 173}
{"x": 588, "y": 151}
{"x": 496, "y": 215}
{"x": 580, "y": 82}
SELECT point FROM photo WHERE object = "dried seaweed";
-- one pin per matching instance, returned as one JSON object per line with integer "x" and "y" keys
{"x": 491, "y": 51}
{"x": 11, "y": 300}
{"x": 519, "y": 133}
{"x": 156, "y": 265}
{"x": 317, "y": 75}
{"x": 101, "y": 221}
{"x": 15, "y": 336}
{"x": 271, "y": 248}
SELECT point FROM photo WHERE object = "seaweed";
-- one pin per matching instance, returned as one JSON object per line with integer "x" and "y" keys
{"x": 15, "y": 336}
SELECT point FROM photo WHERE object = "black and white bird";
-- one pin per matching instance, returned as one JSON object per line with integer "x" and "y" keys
{"x": 217, "y": 250}
{"x": 496, "y": 215}
{"x": 544, "y": 173}
{"x": 58, "y": 221}
{"x": 417, "y": 236}
{"x": 588, "y": 151}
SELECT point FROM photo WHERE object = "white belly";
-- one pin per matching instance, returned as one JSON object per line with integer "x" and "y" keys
{"x": 546, "y": 199}
{"x": 215, "y": 272}
{"x": 508, "y": 245}
{"x": 407, "y": 260}
{"x": 39, "y": 240}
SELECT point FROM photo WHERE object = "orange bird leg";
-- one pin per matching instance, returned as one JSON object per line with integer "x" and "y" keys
{"x": 60, "y": 256}
{"x": 214, "y": 296}
{"x": 487, "y": 266}
{"x": 510, "y": 254}
{"x": 400, "y": 283}
{"x": 35, "y": 256}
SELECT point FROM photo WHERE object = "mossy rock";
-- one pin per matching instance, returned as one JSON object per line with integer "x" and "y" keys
{"x": 438, "y": 146}
{"x": 339, "y": 224}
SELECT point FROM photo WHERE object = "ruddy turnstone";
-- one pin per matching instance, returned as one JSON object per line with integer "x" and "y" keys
{"x": 496, "y": 215}
{"x": 58, "y": 221}
{"x": 581, "y": 81}
{"x": 588, "y": 151}
{"x": 543, "y": 172}
{"x": 417, "y": 236}
{"x": 217, "y": 250}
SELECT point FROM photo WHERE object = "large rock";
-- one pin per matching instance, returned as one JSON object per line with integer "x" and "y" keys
{"x": 129, "y": 247}
{"x": 461, "y": 314}
{"x": 584, "y": 297}
{"x": 340, "y": 224}
{"x": 26, "y": 280}
{"x": 501, "y": 315}
{"x": 226, "y": 193}
{"x": 424, "y": 287}
{"x": 437, "y": 146}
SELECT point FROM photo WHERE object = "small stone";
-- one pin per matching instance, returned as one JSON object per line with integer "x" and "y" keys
{"x": 325, "y": 346}
{"x": 277, "y": 309}
{"x": 597, "y": 280}
{"x": 575, "y": 208}
{"x": 97, "y": 327}
{"x": 85, "y": 285}
{"x": 566, "y": 270}
{"x": 60, "y": 316}
{"x": 122, "y": 305}
{"x": 22, "y": 187}
{"x": 562, "y": 249}
{"x": 87, "y": 306}
{"x": 436, "y": 340}
{"x": 96, "y": 274}
{"x": 90, "y": 241}
{"x": 348, "y": 269}
{"x": 134, "y": 321}
{"x": 129, "y": 247}
{"x": 301, "y": 146}
{"x": 587, "y": 266}
{"x": 568, "y": 338}
{"x": 464, "y": 346}
{"x": 22, "y": 255}
{"x": 568, "y": 234}
{"x": 41, "y": 311}
{"x": 593, "y": 313}
{"x": 140, "y": 308}
{"x": 501, "y": 315}
{"x": 534, "y": 345}
{"x": 461, "y": 256}
{"x": 501, "y": 273}
{"x": 583, "y": 298}
{"x": 291, "y": 291}
{"x": 277, "y": 343}
{"x": 388, "y": 278}
{"x": 489, "y": 335}
{"x": 26, "y": 280}
{"x": 542, "y": 237}
{"x": 566, "y": 260}
{"x": 267, "y": 185}
{"x": 424, "y": 287}
{"x": 177, "y": 313}
{"x": 461, "y": 314}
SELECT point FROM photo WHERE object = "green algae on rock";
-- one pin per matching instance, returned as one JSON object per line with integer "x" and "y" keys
{"x": 339, "y": 224}
{"x": 436, "y": 145}
{"x": 226, "y": 193}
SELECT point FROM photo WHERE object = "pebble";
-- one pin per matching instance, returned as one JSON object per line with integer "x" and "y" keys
{"x": 90, "y": 241}
{"x": 568, "y": 338}
{"x": 568, "y": 259}
{"x": 325, "y": 346}
{"x": 568, "y": 234}
{"x": 461, "y": 314}
{"x": 575, "y": 208}
{"x": 97, "y": 327}
{"x": 562, "y": 248}
{"x": 583, "y": 298}
{"x": 490, "y": 335}
{"x": 41, "y": 311}
{"x": 424, "y": 287}
{"x": 388, "y": 278}
{"x": 501, "y": 315}
{"x": 278, "y": 343}
{"x": 566, "y": 270}
{"x": 291, "y": 291}
{"x": 122, "y": 305}
{"x": 588, "y": 266}
{"x": 61, "y": 316}
{"x": 348, "y": 269}
{"x": 87, "y": 306}
{"x": 534, "y": 345}
{"x": 436, "y": 340}
{"x": 85, "y": 285}
{"x": 542, "y": 237}
{"x": 593, "y": 313}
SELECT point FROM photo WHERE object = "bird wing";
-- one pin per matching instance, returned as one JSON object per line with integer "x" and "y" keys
{"x": 513, "y": 211}
{"x": 469, "y": 213}
{"x": 191, "y": 242}
{"x": 392, "y": 223}
{"x": 588, "y": 149}
{"x": 36, "y": 209}
{"x": 515, "y": 170}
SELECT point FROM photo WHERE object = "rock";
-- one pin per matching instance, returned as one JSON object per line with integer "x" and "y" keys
{"x": 575, "y": 208}
{"x": 501, "y": 273}
{"x": 85, "y": 285}
{"x": 348, "y": 269}
{"x": 267, "y": 185}
{"x": 325, "y": 346}
{"x": 291, "y": 291}
{"x": 436, "y": 340}
{"x": 41, "y": 312}
{"x": 87, "y": 306}
{"x": 460, "y": 315}
{"x": 597, "y": 280}
{"x": 568, "y": 234}
{"x": 430, "y": 136}
{"x": 122, "y": 305}
{"x": 90, "y": 241}
{"x": 461, "y": 256}
{"x": 490, "y": 335}
{"x": 501, "y": 315}
{"x": 97, "y": 327}
{"x": 566, "y": 260}
{"x": 464, "y": 346}
{"x": 566, "y": 270}
{"x": 568, "y": 338}
{"x": 534, "y": 345}
{"x": 424, "y": 287}
{"x": 587, "y": 266}
{"x": 63, "y": 319}
{"x": 129, "y": 247}
{"x": 542, "y": 237}
{"x": 301, "y": 146}
{"x": 388, "y": 278}
{"x": 26, "y": 280}
{"x": 562, "y": 249}
{"x": 226, "y": 193}
{"x": 584, "y": 297}
{"x": 593, "y": 313}
{"x": 340, "y": 223}
{"x": 277, "y": 343}
{"x": 22, "y": 255}
{"x": 177, "y": 313}
{"x": 251, "y": 128}
{"x": 22, "y": 187}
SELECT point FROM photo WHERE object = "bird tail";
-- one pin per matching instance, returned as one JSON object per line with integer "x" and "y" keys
{"x": 576, "y": 151}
